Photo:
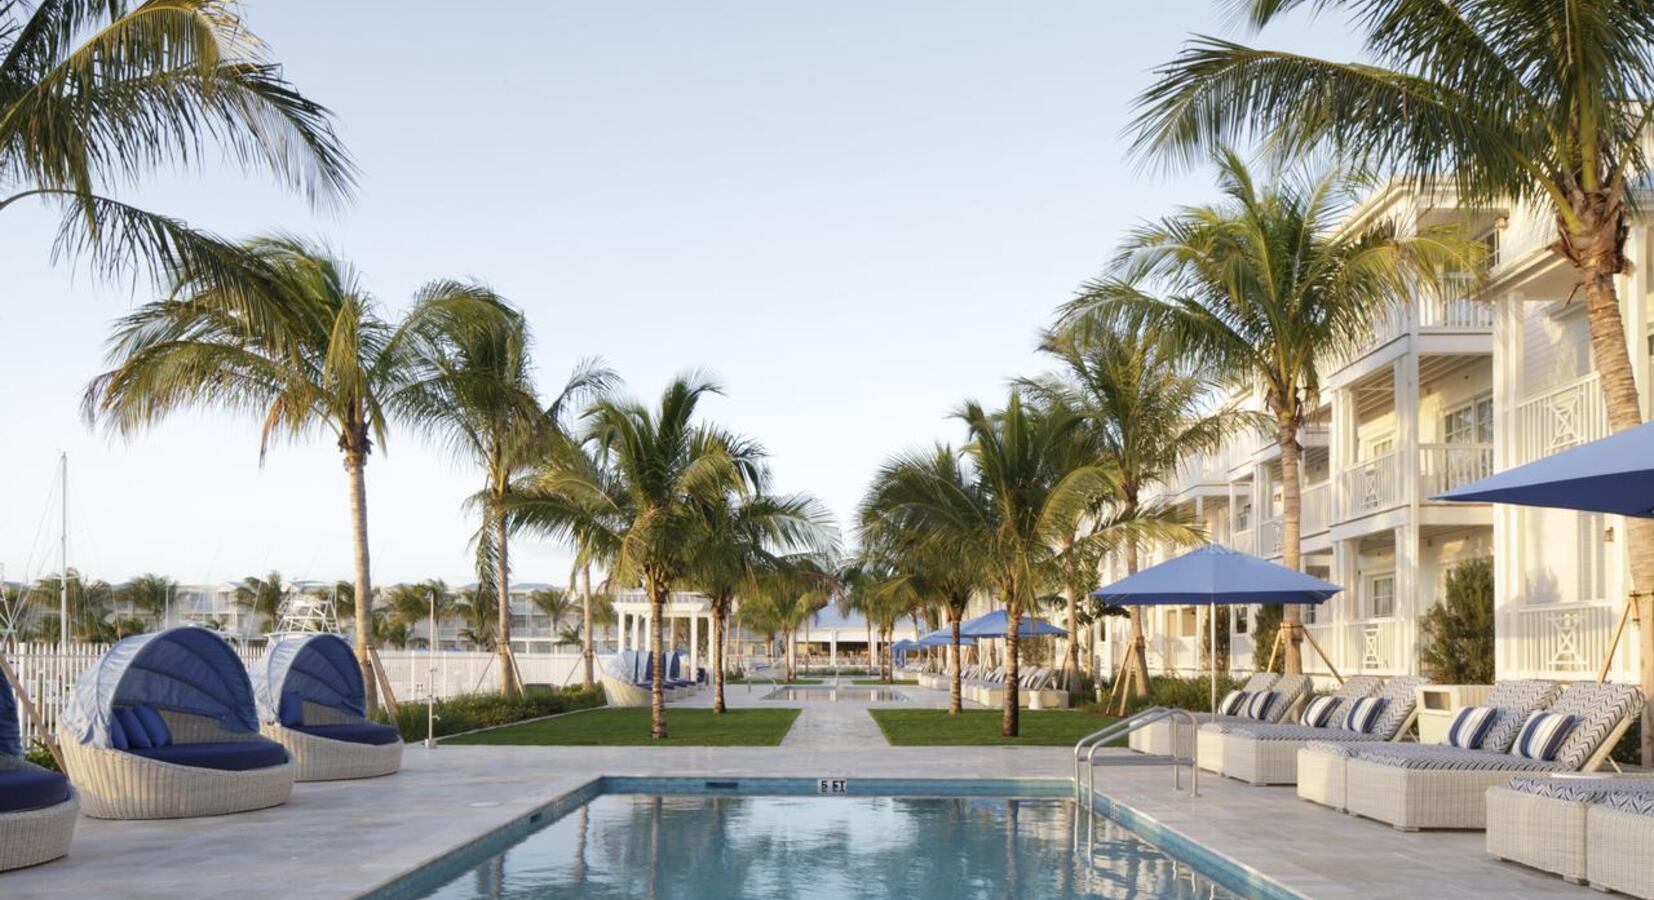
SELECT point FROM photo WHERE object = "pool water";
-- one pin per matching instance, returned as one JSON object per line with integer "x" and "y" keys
{"x": 698, "y": 846}
{"x": 836, "y": 694}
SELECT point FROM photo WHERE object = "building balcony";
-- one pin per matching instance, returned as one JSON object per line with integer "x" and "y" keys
{"x": 1443, "y": 467}
{"x": 1315, "y": 515}
{"x": 1565, "y": 641}
{"x": 1372, "y": 486}
{"x": 1559, "y": 418}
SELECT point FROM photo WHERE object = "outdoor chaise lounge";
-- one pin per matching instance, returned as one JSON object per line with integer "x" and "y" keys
{"x": 1544, "y": 821}
{"x": 1268, "y": 754}
{"x": 311, "y": 701}
{"x": 1322, "y": 766}
{"x": 1286, "y": 691}
{"x": 164, "y": 726}
{"x": 628, "y": 676}
{"x": 1211, "y": 753}
{"x": 1438, "y": 786}
{"x": 1618, "y": 834}
{"x": 38, "y": 809}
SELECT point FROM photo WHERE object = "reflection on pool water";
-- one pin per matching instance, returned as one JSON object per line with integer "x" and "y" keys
{"x": 835, "y": 694}
{"x": 632, "y": 845}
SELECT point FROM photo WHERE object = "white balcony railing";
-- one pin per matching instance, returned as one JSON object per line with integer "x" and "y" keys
{"x": 1563, "y": 640}
{"x": 1373, "y": 646}
{"x": 1560, "y": 418}
{"x": 1443, "y": 467}
{"x": 1316, "y": 508}
{"x": 1372, "y": 485}
{"x": 1456, "y": 308}
{"x": 1270, "y": 535}
{"x": 1242, "y": 541}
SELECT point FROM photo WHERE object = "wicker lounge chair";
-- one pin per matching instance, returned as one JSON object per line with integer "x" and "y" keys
{"x": 1618, "y": 834}
{"x": 1157, "y": 738}
{"x": 1212, "y": 752}
{"x": 38, "y": 809}
{"x": 1322, "y": 766}
{"x": 1541, "y": 821}
{"x": 311, "y": 701}
{"x": 164, "y": 726}
{"x": 1268, "y": 754}
{"x": 1291, "y": 691}
{"x": 1435, "y": 786}
{"x": 619, "y": 677}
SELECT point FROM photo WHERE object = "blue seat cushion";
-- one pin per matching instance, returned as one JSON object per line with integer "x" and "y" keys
{"x": 354, "y": 733}
{"x": 159, "y": 734}
{"x": 22, "y": 789}
{"x": 136, "y": 735}
{"x": 229, "y": 756}
{"x": 291, "y": 712}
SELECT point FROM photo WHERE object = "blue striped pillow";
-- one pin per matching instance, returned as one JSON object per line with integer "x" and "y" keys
{"x": 1258, "y": 706}
{"x": 1318, "y": 712}
{"x": 1232, "y": 703}
{"x": 1542, "y": 735}
{"x": 1363, "y": 714}
{"x": 1470, "y": 726}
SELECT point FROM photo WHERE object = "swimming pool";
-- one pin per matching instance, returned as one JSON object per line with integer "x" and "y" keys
{"x": 690, "y": 838}
{"x": 834, "y": 694}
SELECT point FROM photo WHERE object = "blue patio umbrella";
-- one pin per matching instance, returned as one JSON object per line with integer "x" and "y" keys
{"x": 1612, "y": 475}
{"x": 899, "y": 650}
{"x": 997, "y": 624}
{"x": 1214, "y": 575}
{"x": 942, "y": 637}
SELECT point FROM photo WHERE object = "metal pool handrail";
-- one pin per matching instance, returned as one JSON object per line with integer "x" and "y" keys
{"x": 1088, "y": 746}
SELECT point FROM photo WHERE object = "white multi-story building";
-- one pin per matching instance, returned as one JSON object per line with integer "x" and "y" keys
{"x": 1451, "y": 389}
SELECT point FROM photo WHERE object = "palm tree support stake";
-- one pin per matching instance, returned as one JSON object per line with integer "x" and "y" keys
{"x": 384, "y": 682}
{"x": 35, "y": 717}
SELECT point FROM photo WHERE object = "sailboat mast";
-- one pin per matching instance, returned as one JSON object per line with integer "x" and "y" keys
{"x": 63, "y": 548}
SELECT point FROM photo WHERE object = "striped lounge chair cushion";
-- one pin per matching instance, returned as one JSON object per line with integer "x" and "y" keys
{"x": 1363, "y": 714}
{"x": 1542, "y": 736}
{"x": 1257, "y": 706}
{"x": 1469, "y": 726}
{"x": 1581, "y": 790}
{"x": 1288, "y": 732}
{"x": 1232, "y": 703}
{"x": 1639, "y": 802}
{"x": 1514, "y": 700}
{"x": 1597, "y": 709}
{"x": 1339, "y": 746}
{"x": 1318, "y": 712}
{"x": 1444, "y": 758}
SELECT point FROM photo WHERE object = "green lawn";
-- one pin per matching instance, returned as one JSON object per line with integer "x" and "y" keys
{"x": 874, "y": 682}
{"x": 935, "y": 728}
{"x": 629, "y": 726}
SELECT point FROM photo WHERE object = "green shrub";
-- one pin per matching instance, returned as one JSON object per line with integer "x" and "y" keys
{"x": 1458, "y": 632}
{"x": 474, "y": 711}
{"x": 1266, "y": 621}
{"x": 1192, "y": 693}
{"x": 40, "y": 756}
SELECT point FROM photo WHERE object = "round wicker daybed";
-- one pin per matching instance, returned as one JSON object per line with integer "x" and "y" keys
{"x": 164, "y": 726}
{"x": 38, "y": 809}
{"x": 312, "y": 701}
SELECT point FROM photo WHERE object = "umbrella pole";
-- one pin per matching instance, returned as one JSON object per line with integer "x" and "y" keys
{"x": 1212, "y": 652}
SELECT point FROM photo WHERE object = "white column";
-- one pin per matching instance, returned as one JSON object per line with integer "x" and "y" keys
{"x": 694, "y": 644}
{"x": 1407, "y": 604}
{"x": 1508, "y": 351}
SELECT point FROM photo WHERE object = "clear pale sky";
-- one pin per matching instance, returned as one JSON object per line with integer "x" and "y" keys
{"x": 854, "y": 213}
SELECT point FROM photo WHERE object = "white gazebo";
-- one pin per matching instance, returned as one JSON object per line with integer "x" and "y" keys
{"x": 632, "y": 609}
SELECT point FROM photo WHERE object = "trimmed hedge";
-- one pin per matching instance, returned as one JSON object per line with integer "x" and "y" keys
{"x": 474, "y": 711}
{"x": 1194, "y": 694}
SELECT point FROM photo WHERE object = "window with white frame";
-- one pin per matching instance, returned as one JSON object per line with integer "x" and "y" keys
{"x": 1381, "y": 596}
{"x": 1471, "y": 423}
{"x": 1378, "y": 446}
{"x": 1243, "y": 512}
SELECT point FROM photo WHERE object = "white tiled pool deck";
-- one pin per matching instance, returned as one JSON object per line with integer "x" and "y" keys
{"x": 346, "y": 838}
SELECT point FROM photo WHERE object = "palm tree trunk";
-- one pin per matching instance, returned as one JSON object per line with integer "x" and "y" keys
{"x": 510, "y": 684}
{"x": 718, "y": 661}
{"x": 1010, "y": 721}
{"x": 657, "y": 668}
{"x": 1612, "y": 359}
{"x": 356, "y": 465}
{"x": 1071, "y": 657}
{"x": 955, "y": 694}
{"x": 1291, "y": 525}
{"x": 1138, "y": 675}
{"x": 586, "y": 622}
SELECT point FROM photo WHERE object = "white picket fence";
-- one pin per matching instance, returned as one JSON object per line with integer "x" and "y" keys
{"x": 47, "y": 674}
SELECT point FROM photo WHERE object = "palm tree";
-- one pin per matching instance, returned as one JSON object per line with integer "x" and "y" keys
{"x": 876, "y": 585}
{"x": 261, "y": 596}
{"x": 1144, "y": 410}
{"x": 307, "y": 351}
{"x": 149, "y": 594}
{"x": 482, "y": 616}
{"x": 1026, "y": 492}
{"x": 741, "y": 538}
{"x": 478, "y": 399}
{"x": 950, "y": 571}
{"x": 639, "y": 495}
{"x": 1539, "y": 103}
{"x": 556, "y": 604}
{"x": 785, "y": 597}
{"x": 95, "y": 94}
{"x": 1258, "y": 288}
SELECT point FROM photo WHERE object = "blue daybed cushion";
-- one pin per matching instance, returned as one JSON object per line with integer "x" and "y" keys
{"x": 22, "y": 789}
{"x": 155, "y": 726}
{"x": 228, "y": 756}
{"x": 292, "y": 709}
{"x": 354, "y": 733}
{"x": 137, "y": 736}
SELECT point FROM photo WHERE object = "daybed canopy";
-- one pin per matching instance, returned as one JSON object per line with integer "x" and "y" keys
{"x": 319, "y": 668}
{"x": 11, "y": 732}
{"x": 187, "y": 669}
